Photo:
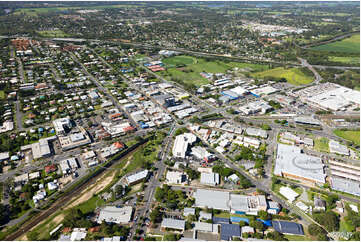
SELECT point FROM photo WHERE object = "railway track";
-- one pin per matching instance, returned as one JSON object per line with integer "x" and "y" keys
{"x": 27, "y": 226}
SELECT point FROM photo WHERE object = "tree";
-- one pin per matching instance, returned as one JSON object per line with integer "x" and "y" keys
{"x": 33, "y": 235}
{"x": 315, "y": 230}
{"x": 264, "y": 215}
{"x": 171, "y": 237}
{"x": 257, "y": 225}
{"x": 328, "y": 219}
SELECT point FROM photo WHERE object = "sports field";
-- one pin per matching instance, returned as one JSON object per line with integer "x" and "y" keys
{"x": 345, "y": 59}
{"x": 194, "y": 66}
{"x": 294, "y": 76}
{"x": 351, "y": 135}
{"x": 348, "y": 45}
{"x": 53, "y": 33}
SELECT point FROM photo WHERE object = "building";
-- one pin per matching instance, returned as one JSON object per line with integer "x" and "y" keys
{"x": 247, "y": 229}
{"x": 266, "y": 90}
{"x": 181, "y": 144}
{"x": 256, "y": 107}
{"x": 112, "y": 214}
{"x": 345, "y": 185}
{"x": 42, "y": 149}
{"x": 62, "y": 125}
{"x": 176, "y": 224}
{"x": 189, "y": 211}
{"x": 4, "y": 156}
{"x": 201, "y": 153}
{"x": 206, "y": 227}
{"x": 229, "y": 231}
{"x": 307, "y": 121}
{"x": 289, "y": 193}
{"x": 176, "y": 177}
{"x": 247, "y": 204}
{"x": 257, "y": 132}
{"x": 337, "y": 148}
{"x": 210, "y": 179}
{"x": 293, "y": 164}
{"x": 78, "y": 234}
{"x": 137, "y": 177}
{"x": 74, "y": 140}
{"x": 219, "y": 199}
{"x": 286, "y": 227}
{"x": 68, "y": 165}
{"x": 111, "y": 150}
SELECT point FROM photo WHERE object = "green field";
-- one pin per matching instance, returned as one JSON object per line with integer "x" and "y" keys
{"x": 348, "y": 45}
{"x": 297, "y": 238}
{"x": 351, "y": 135}
{"x": 345, "y": 59}
{"x": 294, "y": 76}
{"x": 2, "y": 94}
{"x": 181, "y": 59}
{"x": 321, "y": 144}
{"x": 190, "y": 74}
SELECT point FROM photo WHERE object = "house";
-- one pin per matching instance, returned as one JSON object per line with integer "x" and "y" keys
{"x": 78, "y": 234}
{"x": 50, "y": 168}
{"x": 339, "y": 206}
{"x": 205, "y": 216}
{"x": 52, "y": 186}
{"x": 247, "y": 229}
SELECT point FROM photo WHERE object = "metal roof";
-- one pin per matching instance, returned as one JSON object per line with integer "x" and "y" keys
{"x": 287, "y": 227}
{"x": 230, "y": 230}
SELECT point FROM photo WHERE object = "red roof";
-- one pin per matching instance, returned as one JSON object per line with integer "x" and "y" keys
{"x": 118, "y": 145}
{"x": 50, "y": 168}
{"x": 94, "y": 229}
{"x": 129, "y": 128}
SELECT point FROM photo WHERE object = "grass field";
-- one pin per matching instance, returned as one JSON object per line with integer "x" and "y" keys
{"x": 321, "y": 144}
{"x": 344, "y": 226}
{"x": 351, "y": 135}
{"x": 181, "y": 59}
{"x": 297, "y": 238}
{"x": 345, "y": 59}
{"x": 53, "y": 33}
{"x": 348, "y": 45}
{"x": 194, "y": 66}
{"x": 294, "y": 76}
{"x": 2, "y": 94}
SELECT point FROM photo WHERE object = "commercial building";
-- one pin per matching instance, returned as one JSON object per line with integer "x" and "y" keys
{"x": 247, "y": 204}
{"x": 176, "y": 177}
{"x": 74, "y": 140}
{"x": 210, "y": 179}
{"x": 330, "y": 96}
{"x": 289, "y": 193}
{"x": 256, "y": 107}
{"x": 202, "y": 154}
{"x": 42, "y": 149}
{"x": 257, "y": 132}
{"x": 206, "y": 227}
{"x": 176, "y": 224}
{"x": 266, "y": 90}
{"x": 111, "y": 150}
{"x": 337, "y": 148}
{"x": 293, "y": 164}
{"x": 112, "y": 214}
{"x": 345, "y": 185}
{"x": 137, "y": 177}
{"x": 181, "y": 144}
{"x": 219, "y": 199}
{"x": 62, "y": 125}
{"x": 230, "y": 202}
{"x": 68, "y": 165}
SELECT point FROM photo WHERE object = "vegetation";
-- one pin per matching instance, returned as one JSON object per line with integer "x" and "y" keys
{"x": 351, "y": 135}
{"x": 348, "y": 45}
{"x": 294, "y": 76}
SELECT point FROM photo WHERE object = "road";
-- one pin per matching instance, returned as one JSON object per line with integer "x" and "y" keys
{"x": 102, "y": 89}
{"x": 304, "y": 63}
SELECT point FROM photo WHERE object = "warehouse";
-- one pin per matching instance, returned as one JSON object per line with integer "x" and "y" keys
{"x": 202, "y": 153}
{"x": 256, "y": 132}
{"x": 256, "y": 107}
{"x": 307, "y": 121}
{"x": 345, "y": 185}
{"x": 219, "y": 199}
{"x": 137, "y": 177}
{"x": 337, "y": 148}
{"x": 293, "y": 164}
{"x": 112, "y": 214}
{"x": 210, "y": 179}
